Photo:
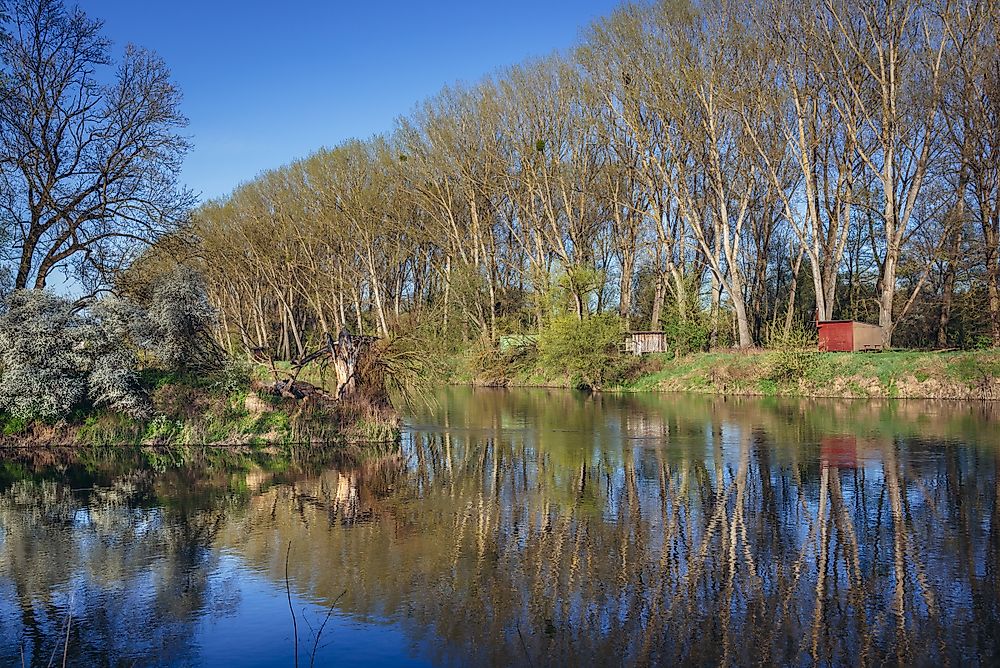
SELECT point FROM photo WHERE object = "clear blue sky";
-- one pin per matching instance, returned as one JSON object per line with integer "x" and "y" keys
{"x": 267, "y": 82}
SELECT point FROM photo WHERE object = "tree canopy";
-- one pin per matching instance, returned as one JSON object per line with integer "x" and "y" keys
{"x": 683, "y": 165}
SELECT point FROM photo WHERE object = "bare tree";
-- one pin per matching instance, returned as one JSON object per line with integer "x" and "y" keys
{"x": 89, "y": 156}
{"x": 973, "y": 122}
{"x": 887, "y": 82}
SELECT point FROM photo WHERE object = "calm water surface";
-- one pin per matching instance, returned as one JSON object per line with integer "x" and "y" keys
{"x": 526, "y": 527}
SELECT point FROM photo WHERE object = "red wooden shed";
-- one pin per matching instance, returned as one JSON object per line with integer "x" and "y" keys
{"x": 849, "y": 336}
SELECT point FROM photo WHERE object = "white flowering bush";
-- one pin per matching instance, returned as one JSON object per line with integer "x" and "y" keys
{"x": 179, "y": 322}
{"x": 54, "y": 357}
{"x": 42, "y": 364}
{"x": 57, "y": 356}
{"x": 113, "y": 378}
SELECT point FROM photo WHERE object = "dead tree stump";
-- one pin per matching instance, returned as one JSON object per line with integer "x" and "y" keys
{"x": 348, "y": 355}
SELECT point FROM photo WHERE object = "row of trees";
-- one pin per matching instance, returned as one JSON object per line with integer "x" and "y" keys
{"x": 735, "y": 166}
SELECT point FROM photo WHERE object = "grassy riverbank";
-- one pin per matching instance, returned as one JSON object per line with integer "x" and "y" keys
{"x": 965, "y": 375}
{"x": 914, "y": 375}
{"x": 190, "y": 409}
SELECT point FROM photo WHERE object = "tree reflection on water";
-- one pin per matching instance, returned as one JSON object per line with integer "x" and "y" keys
{"x": 538, "y": 527}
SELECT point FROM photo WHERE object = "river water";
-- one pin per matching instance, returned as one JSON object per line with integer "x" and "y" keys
{"x": 531, "y": 527}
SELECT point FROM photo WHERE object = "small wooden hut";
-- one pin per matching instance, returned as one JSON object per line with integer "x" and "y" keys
{"x": 640, "y": 343}
{"x": 849, "y": 336}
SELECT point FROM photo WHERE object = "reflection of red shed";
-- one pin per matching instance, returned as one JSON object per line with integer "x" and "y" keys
{"x": 839, "y": 451}
{"x": 848, "y": 336}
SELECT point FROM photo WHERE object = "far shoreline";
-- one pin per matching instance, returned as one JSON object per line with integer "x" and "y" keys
{"x": 918, "y": 375}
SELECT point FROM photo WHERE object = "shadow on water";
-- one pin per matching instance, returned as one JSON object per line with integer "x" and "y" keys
{"x": 527, "y": 527}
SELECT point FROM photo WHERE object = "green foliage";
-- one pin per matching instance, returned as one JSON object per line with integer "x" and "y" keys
{"x": 687, "y": 336}
{"x": 510, "y": 358}
{"x": 790, "y": 364}
{"x": 768, "y": 387}
{"x": 234, "y": 377}
{"x": 403, "y": 366}
{"x": 798, "y": 338}
{"x": 577, "y": 280}
{"x": 792, "y": 354}
{"x": 587, "y": 350}
{"x": 12, "y": 426}
{"x": 162, "y": 429}
{"x": 981, "y": 342}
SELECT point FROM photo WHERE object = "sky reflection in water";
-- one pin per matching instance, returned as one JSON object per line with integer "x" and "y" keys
{"x": 525, "y": 527}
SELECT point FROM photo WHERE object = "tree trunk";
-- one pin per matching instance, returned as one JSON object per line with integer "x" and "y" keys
{"x": 993, "y": 291}
{"x": 790, "y": 309}
{"x": 625, "y": 288}
{"x": 345, "y": 352}
{"x": 654, "y": 320}
{"x": 713, "y": 334}
{"x": 742, "y": 322}
{"x": 948, "y": 289}
{"x": 887, "y": 298}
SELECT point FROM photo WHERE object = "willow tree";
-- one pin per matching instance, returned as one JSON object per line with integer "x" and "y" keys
{"x": 449, "y": 161}
{"x": 623, "y": 59}
{"x": 716, "y": 175}
{"x": 555, "y": 167}
{"x": 819, "y": 181}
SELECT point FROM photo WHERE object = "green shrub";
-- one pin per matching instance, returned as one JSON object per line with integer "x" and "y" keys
{"x": 587, "y": 350}
{"x": 233, "y": 378}
{"x": 12, "y": 426}
{"x": 687, "y": 336}
{"x": 790, "y": 364}
{"x": 792, "y": 355}
{"x": 497, "y": 364}
{"x": 797, "y": 338}
{"x": 981, "y": 342}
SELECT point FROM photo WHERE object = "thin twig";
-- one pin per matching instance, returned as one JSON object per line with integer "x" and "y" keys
{"x": 288, "y": 591}
{"x": 52, "y": 657}
{"x": 312, "y": 658}
{"x": 69, "y": 624}
{"x": 524, "y": 647}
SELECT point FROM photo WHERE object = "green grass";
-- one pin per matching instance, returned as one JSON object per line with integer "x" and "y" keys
{"x": 189, "y": 410}
{"x": 894, "y": 374}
